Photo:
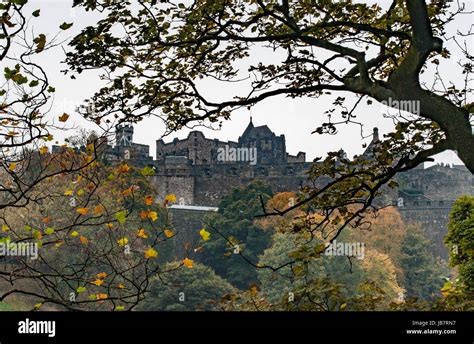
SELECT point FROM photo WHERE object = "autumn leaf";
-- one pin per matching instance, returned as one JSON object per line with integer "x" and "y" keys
{"x": 75, "y": 234}
{"x": 127, "y": 192}
{"x": 205, "y": 235}
{"x": 170, "y": 198}
{"x": 98, "y": 282}
{"x": 168, "y": 233}
{"x": 109, "y": 225}
{"x": 102, "y": 275}
{"x": 152, "y": 215}
{"x": 101, "y": 296}
{"x": 64, "y": 117}
{"x": 68, "y": 193}
{"x": 119, "y": 308}
{"x": 84, "y": 240}
{"x": 151, "y": 253}
{"x": 121, "y": 286}
{"x": 188, "y": 263}
{"x": 122, "y": 242}
{"x": 83, "y": 211}
{"x": 12, "y": 166}
{"x": 124, "y": 168}
{"x": 98, "y": 210}
{"x": 142, "y": 234}
{"x": 5, "y": 228}
{"x": 143, "y": 214}
{"x": 43, "y": 150}
{"x": 149, "y": 200}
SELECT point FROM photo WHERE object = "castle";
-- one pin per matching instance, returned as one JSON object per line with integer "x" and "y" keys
{"x": 199, "y": 175}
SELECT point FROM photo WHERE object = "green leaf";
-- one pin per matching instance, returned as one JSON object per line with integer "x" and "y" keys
{"x": 34, "y": 83}
{"x": 51, "y": 89}
{"x": 49, "y": 231}
{"x": 66, "y": 26}
{"x": 147, "y": 171}
{"x": 81, "y": 289}
{"x": 121, "y": 216}
{"x": 40, "y": 42}
{"x": 36, "y": 13}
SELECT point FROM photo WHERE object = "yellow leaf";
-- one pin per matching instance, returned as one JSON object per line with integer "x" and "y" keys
{"x": 188, "y": 263}
{"x": 152, "y": 215}
{"x": 122, "y": 242}
{"x": 168, "y": 233}
{"x": 98, "y": 282}
{"x": 149, "y": 200}
{"x": 170, "y": 198}
{"x": 142, "y": 234}
{"x": 5, "y": 228}
{"x": 80, "y": 192}
{"x": 43, "y": 150}
{"x": 64, "y": 117}
{"x": 102, "y": 275}
{"x": 68, "y": 193}
{"x": 205, "y": 235}
{"x": 343, "y": 306}
{"x": 75, "y": 234}
{"x": 121, "y": 286}
{"x": 12, "y": 166}
{"x": 83, "y": 211}
{"x": 119, "y": 308}
{"x": 151, "y": 253}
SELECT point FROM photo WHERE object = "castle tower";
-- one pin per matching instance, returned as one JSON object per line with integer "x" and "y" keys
{"x": 124, "y": 135}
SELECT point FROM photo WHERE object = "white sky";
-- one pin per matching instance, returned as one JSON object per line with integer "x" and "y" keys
{"x": 296, "y": 119}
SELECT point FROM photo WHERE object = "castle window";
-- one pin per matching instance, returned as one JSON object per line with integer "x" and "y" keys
{"x": 428, "y": 203}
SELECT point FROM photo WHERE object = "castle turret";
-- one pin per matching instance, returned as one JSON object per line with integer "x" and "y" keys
{"x": 124, "y": 135}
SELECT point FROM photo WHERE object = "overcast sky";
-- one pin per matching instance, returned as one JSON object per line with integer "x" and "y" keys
{"x": 296, "y": 119}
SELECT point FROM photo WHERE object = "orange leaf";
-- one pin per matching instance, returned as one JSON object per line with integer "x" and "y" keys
{"x": 149, "y": 200}
{"x": 102, "y": 275}
{"x": 64, "y": 117}
{"x": 168, "y": 233}
{"x": 98, "y": 210}
{"x": 124, "y": 168}
{"x": 98, "y": 282}
{"x": 188, "y": 263}
{"x": 143, "y": 214}
{"x": 84, "y": 240}
{"x": 83, "y": 211}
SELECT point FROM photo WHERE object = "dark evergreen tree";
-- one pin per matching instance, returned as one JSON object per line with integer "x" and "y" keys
{"x": 423, "y": 274}
{"x": 236, "y": 241}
